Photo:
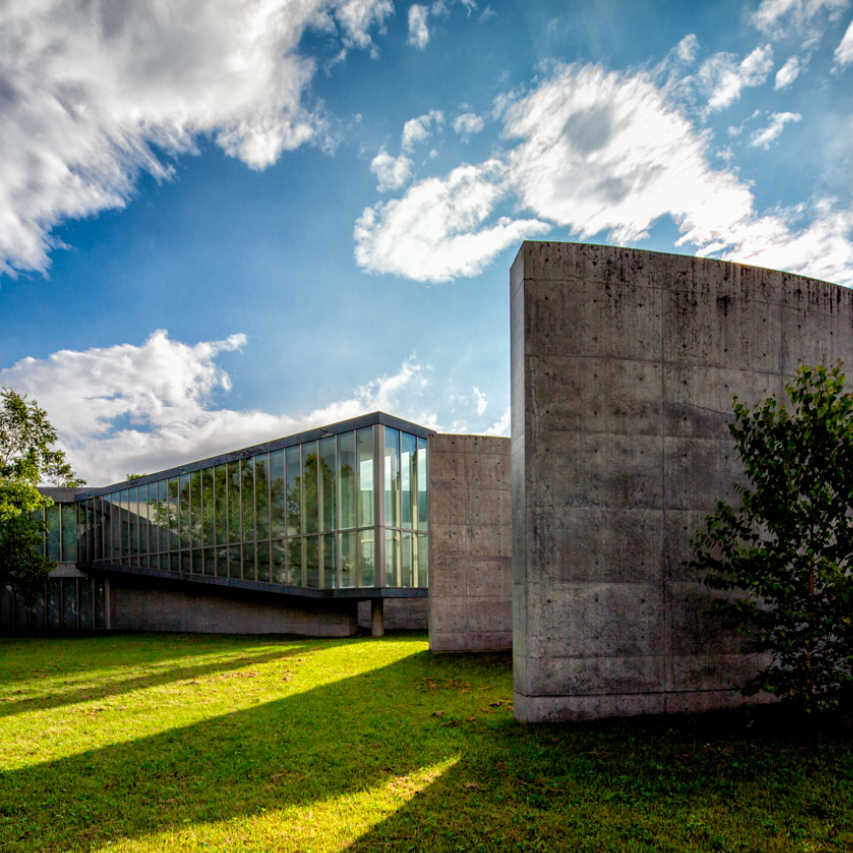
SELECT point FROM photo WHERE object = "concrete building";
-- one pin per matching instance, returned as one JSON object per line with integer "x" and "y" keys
{"x": 565, "y": 543}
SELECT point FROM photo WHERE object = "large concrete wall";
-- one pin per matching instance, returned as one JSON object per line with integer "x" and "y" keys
{"x": 399, "y": 614}
{"x": 624, "y": 364}
{"x": 470, "y": 594}
{"x": 141, "y": 606}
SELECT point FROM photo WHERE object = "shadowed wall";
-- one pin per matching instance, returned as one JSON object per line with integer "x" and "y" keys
{"x": 624, "y": 365}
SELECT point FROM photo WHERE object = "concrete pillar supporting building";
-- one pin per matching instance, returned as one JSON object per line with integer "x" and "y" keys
{"x": 377, "y": 617}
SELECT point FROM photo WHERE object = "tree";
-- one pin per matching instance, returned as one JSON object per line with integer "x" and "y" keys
{"x": 27, "y": 457}
{"x": 787, "y": 550}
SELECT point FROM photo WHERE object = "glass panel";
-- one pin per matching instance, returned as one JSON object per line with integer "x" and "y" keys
{"x": 249, "y": 569}
{"x": 210, "y": 561}
{"x": 294, "y": 567}
{"x": 392, "y": 558}
{"x": 262, "y": 507}
{"x": 186, "y": 561}
{"x": 330, "y": 562}
{"x": 54, "y": 603}
{"x": 263, "y": 554}
{"x": 184, "y": 510}
{"x": 423, "y": 515}
{"x": 312, "y": 562}
{"x": 278, "y": 566}
{"x": 328, "y": 496}
{"x": 406, "y": 559}
{"x": 247, "y": 470}
{"x": 294, "y": 494}
{"x": 365, "y": 478}
{"x": 234, "y": 562}
{"x": 87, "y": 611}
{"x": 234, "y": 503}
{"x": 53, "y": 549}
{"x": 69, "y": 531}
{"x": 348, "y": 559}
{"x": 220, "y": 476}
{"x": 408, "y": 476}
{"x": 142, "y": 509}
{"x": 69, "y": 602}
{"x": 173, "y": 515}
{"x": 277, "y": 494}
{"x": 222, "y": 562}
{"x": 100, "y": 605}
{"x": 310, "y": 520}
{"x": 197, "y": 510}
{"x": 132, "y": 524}
{"x": 346, "y": 479}
{"x": 124, "y": 498}
{"x": 163, "y": 517}
{"x": 423, "y": 561}
{"x": 115, "y": 550}
{"x": 208, "y": 505}
{"x": 198, "y": 561}
{"x": 392, "y": 477}
{"x": 365, "y": 558}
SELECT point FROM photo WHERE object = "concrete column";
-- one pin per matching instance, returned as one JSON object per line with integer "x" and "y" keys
{"x": 108, "y": 622}
{"x": 377, "y": 617}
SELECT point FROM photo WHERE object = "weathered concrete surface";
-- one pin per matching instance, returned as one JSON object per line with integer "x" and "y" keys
{"x": 400, "y": 614}
{"x": 470, "y": 595}
{"x": 624, "y": 365}
{"x": 137, "y": 606}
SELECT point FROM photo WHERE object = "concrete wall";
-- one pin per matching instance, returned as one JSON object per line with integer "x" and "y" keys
{"x": 624, "y": 364}
{"x": 141, "y": 606}
{"x": 400, "y": 614}
{"x": 470, "y": 595}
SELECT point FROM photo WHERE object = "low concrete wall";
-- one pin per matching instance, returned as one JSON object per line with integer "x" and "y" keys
{"x": 139, "y": 606}
{"x": 400, "y": 614}
{"x": 470, "y": 596}
{"x": 624, "y": 364}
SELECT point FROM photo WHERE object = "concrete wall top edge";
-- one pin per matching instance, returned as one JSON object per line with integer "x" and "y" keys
{"x": 561, "y": 254}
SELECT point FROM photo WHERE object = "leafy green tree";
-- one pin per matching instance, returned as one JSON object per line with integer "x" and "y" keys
{"x": 787, "y": 551}
{"x": 27, "y": 457}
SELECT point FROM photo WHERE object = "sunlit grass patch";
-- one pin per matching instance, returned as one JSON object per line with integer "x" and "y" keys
{"x": 168, "y": 742}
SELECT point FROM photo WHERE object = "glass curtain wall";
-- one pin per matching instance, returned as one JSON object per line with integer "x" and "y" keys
{"x": 304, "y": 516}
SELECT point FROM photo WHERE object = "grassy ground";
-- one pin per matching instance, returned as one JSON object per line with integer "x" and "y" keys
{"x": 189, "y": 742}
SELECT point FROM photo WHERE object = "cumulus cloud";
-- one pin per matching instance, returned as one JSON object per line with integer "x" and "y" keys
{"x": 762, "y": 138}
{"x": 392, "y": 172}
{"x": 844, "y": 52}
{"x": 596, "y": 152}
{"x": 418, "y": 30}
{"x": 803, "y": 18}
{"x": 93, "y": 94}
{"x": 467, "y": 124}
{"x": 724, "y": 78}
{"x": 481, "y": 400}
{"x": 438, "y": 230}
{"x": 502, "y": 425}
{"x": 419, "y": 128}
{"x": 787, "y": 73}
{"x": 144, "y": 408}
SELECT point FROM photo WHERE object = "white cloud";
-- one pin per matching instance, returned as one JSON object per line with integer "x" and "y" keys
{"x": 763, "y": 138}
{"x": 502, "y": 425}
{"x": 392, "y": 172}
{"x": 468, "y": 123}
{"x": 438, "y": 230}
{"x": 844, "y": 52}
{"x": 88, "y": 91}
{"x": 595, "y": 152}
{"x": 130, "y": 408}
{"x": 687, "y": 47}
{"x": 802, "y": 18}
{"x": 724, "y": 78}
{"x": 418, "y": 30}
{"x": 419, "y": 128}
{"x": 481, "y": 399}
{"x": 788, "y": 73}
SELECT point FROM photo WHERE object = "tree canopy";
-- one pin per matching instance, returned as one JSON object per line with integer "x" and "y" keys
{"x": 787, "y": 550}
{"x": 28, "y": 457}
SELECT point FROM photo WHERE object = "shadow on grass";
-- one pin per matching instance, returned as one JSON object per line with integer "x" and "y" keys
{"x": 9, "y": 707}
{"x": 343, "y": 737}
{"x": 74, "y": 654}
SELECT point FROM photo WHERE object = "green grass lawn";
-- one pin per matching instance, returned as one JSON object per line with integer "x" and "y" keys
{"x": 176, "y": 742}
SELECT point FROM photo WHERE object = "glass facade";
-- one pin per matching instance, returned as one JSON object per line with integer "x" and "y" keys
{"x": 338, "y": 511}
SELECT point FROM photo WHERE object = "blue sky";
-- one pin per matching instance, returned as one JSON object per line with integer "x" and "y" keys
{"x": 229, "y": 221}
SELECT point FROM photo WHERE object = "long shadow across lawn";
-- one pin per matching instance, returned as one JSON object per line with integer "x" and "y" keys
{"x": 116, "y": 688}
{"x": 343, "y": 737}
